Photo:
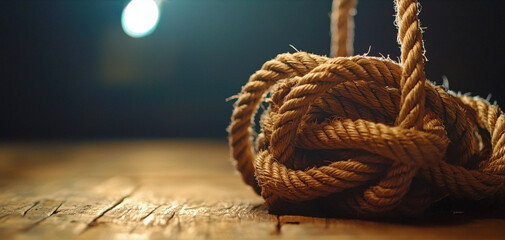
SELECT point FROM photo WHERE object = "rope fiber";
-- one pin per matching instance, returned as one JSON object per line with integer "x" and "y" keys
{"x": 362, "y": 135}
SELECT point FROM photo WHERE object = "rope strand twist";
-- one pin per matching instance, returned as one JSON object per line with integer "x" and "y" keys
{"x": 364, "y": 135}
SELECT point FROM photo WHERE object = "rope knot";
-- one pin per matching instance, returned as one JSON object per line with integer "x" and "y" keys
{"x": 365, "y": 135}
{"x": 349, "y": 115}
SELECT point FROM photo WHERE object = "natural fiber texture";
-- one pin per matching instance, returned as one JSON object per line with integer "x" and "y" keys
{"x": 342, "y": 27}
{"x": 364, "y": 135}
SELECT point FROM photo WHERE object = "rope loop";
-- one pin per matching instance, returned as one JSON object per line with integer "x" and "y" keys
{"x": 365, "y": 135}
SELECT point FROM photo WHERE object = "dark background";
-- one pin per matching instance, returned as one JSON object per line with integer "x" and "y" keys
{"x": 69, "y": 72}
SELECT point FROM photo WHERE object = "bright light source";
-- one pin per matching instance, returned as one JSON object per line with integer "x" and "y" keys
{"x": 140, "y": 18}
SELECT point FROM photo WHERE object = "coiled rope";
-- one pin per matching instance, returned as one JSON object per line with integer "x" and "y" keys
{"x": 365, "y": 135}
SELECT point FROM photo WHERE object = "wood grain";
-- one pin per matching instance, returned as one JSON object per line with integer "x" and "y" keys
{"x": 170, "y": 190}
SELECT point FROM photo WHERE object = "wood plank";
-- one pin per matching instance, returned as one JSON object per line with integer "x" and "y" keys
{"x": 76, "y": 210}
{"x": 171, "y": 190}
{"x": 31, "y": 216}
{"x": 25, "y": 203}
{"x": 171, "y": 208}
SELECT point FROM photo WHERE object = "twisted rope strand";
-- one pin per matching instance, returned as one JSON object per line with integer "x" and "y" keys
{"x": 342, "y": 27}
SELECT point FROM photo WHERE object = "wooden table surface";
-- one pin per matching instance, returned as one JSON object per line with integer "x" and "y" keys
{"x": 184, "y": 189}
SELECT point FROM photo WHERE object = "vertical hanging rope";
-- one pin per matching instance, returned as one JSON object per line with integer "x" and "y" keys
{"x": 412, "y": 61}
{"x": 362, "y": 135}
{"x": 342, "y": 27}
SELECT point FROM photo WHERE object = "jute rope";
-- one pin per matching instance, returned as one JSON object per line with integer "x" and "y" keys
{"x": 342, "y": 28}
{"x": 365, "y": 135}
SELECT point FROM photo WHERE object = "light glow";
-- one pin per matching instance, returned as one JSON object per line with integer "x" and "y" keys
{"x": 140, "y": 18}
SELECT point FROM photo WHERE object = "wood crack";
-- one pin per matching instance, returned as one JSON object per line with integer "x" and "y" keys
{"x": 149, "y": 214}
{"x": 55, "y": 211}
{"x": 94, "y": 222}
{"x": 169, "y": 218}
{"x": 30, "y": 208}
